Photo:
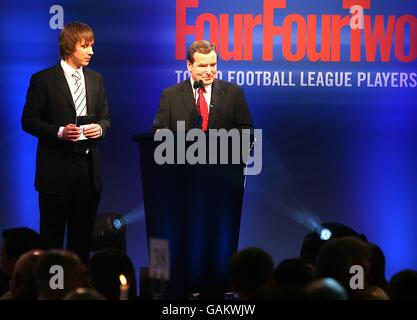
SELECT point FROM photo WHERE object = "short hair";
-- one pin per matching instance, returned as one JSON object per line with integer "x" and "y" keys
{"x": 251, "y": 269}
{"x": 403, "y": 285}
{"x": 296, "y": 272}
{"x": 75, "y": 272}
{"x": 105, "y": 267}
{"x": 17, "y": 241}
{"x": 73, "y": 33}
{"x": 326, "y": 289}
{"x": 202, "y": 46}
{"x": 23, "y": 284}
{"x": 338, "y": 255}
{"x": 312, "y": 241}
{"x": 84, "y": 294}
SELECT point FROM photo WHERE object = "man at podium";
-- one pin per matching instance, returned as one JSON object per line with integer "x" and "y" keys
{"x": 201, "y": 204}
{"x": 203, "y": 101}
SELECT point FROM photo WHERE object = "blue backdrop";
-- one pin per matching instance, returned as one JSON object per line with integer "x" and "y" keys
{"x": 345, "y": 154}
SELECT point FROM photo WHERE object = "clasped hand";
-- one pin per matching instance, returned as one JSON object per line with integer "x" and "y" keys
{"x": 72, "y": 132}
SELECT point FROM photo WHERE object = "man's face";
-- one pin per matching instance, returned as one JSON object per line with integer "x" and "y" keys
{"x": 81, "y": 55}
{"x": 204, "y": 67}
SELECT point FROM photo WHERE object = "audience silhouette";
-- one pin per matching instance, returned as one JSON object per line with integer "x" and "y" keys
{"x": 74, "y": 274}
{"x": 16, "y": 241}
{"x": 105, "y": 267}
{"x": 251, "y": 272}
{"x": 296, "y": 273}
{"x": 84, "y": 294}
{"x": 403, "y": 285}
{"x": 326, "y": 289}
{"x": 23, "y": 282}
{"x": 337, "y": 257}
{"x": 322, "y": 272}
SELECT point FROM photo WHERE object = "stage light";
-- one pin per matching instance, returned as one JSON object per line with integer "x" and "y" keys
{"x": 109, "y": 232}
{"x": 314, "y": 240}
{"x": 117, "y": 223}
{"x": 325, "y": 234}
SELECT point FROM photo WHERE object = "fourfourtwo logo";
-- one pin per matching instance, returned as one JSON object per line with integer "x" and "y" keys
{"x": 296, "y": 37}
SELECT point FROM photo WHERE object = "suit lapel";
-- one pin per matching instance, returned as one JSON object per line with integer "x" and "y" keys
{"x": 216, "y": 100}
{"x": 215, "y": 103}
{"x": 88, "y": 89}
{"x": 62, "y": 84}
{"x": 187, "y": 96}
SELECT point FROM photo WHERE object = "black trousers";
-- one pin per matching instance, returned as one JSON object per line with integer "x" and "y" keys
{"x": 75, "y": 210}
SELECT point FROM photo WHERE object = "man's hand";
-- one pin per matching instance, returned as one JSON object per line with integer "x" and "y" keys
{"x": 93, "y": 131}
{"x": 71, "y": 132}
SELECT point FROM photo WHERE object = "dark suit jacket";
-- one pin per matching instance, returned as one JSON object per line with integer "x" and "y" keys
{"x": 49, "y": 105}
{"x": 228, "y": 107}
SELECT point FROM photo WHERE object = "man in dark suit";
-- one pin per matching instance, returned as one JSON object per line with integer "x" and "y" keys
{"x": 68, "y": 176}
{"x": 227, "y": 107}
{"x": 207, "y": 219}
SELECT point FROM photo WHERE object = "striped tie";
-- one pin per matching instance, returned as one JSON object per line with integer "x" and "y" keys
{"x": 79, "y": 94}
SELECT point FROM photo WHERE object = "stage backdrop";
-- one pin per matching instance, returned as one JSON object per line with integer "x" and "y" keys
{"x": 332, "y": 85}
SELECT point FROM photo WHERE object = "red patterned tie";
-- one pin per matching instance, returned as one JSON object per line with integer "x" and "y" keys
{"x": 203, "y": 108}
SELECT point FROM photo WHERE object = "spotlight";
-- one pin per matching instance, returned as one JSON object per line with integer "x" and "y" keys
{"x": 109, "y": 232}
{"x": 325, "y": 234}
{"x": 117, "y": 223}
{"x": 314, "y": 240}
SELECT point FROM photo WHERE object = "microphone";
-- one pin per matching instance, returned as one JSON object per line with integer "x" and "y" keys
{"x": 197, "y": 115}
{"x": 196, "y": 85}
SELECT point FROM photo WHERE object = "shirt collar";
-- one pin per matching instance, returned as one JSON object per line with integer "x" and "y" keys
{"x": 69, "y": 71}
{"x": 207, "y": 87}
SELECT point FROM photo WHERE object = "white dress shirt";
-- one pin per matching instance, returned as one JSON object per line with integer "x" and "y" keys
{"x": 68, "y": 72}
{"x": 207, "y": 94}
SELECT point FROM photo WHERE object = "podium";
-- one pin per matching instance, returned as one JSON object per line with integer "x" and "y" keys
{"x": 197, "y": 208}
